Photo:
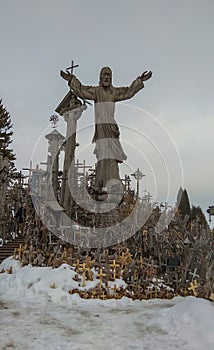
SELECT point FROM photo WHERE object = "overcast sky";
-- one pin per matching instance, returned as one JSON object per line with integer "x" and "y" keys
{"x": 173, "y": 38}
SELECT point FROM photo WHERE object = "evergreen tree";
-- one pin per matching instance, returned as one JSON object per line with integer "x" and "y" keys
{"x": 197, "y": 213}
{"x": 5, "y": 133}
{"x": 179, "y": 195}
{"x": 183, "y": 204}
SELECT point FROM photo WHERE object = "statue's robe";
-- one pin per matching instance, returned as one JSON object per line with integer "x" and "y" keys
{"x": 108, "y": 149}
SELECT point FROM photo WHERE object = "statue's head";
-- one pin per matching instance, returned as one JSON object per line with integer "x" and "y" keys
{"x": 106, "y": 77}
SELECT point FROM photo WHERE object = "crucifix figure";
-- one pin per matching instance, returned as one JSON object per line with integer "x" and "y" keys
{"x": 108, "y": 149}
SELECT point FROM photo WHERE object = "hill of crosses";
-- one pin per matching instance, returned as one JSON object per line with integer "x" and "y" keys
{"x": 91, "y": 219}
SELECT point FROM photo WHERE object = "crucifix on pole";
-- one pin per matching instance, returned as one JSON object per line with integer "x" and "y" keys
{"x": 138, "y": 176}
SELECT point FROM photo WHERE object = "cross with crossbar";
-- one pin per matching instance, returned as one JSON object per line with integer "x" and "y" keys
{"x": 72, "y": 67}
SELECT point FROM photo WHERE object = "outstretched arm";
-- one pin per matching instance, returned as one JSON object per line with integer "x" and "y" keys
{"x": 124, "y": 93}
{"x": 83, "y": 91}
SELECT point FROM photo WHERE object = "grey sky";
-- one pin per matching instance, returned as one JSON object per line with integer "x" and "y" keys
{"x": 172, "y": 38}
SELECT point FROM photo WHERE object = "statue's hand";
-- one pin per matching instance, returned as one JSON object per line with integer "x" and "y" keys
{"x": 146, "y": 75}
{"x": 65, "y": 75}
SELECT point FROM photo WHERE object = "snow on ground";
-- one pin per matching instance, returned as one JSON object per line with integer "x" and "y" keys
{"x": 34, "y": 316}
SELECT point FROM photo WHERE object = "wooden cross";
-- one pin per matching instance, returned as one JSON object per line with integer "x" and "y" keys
{"x": 150, "y": 293}
{"x": 72, "y": 67}
{"x": 20, "y": 250}
{"x": 77, "y": 265}
{"x": 114, "y": 265}
{"x": 193, "y": 287}
{"x": 115, "y": 291}
{"x": 93, "y": 294}
{"x": 88, "y": 261}
{"x": 83, "y": 269}
{"x": 126, "y": 257}
{"x": 103, "y": 295}
{"x": 118, "y": 249}
{"x": 100, "y": 275}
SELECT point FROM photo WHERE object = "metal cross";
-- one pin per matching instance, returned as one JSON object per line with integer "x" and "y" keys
{"x": 138, "y": 176}
{"x": 54, "y": 120}
{"x": 194, "y": 274}
{"x": 72, "y": 67}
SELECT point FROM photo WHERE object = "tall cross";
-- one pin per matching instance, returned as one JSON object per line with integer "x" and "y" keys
{"x": 138, "y": 176}
{"x": 72, "y": 67}
{"x": 82, "y": 165}
{"x": 100, "y": 275}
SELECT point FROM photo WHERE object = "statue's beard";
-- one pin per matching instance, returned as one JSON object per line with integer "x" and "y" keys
{"x": 106, "y": 83}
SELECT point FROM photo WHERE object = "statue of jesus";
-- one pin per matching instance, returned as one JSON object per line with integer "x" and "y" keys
{"x": 108, "y": 149}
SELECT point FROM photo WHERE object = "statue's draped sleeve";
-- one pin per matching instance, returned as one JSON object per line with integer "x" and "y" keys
{"x": 124, "y": 93}
{"x": 85, "y": 92}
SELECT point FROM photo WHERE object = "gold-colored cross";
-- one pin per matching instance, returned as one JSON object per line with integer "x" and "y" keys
{"x": 193, "y": 287}
{"x": 88, "y": 261}
{"x": 77, "y": 265}
{"x": 100, "y": 275}
{"x": 114, "y": 265}
{"x": 83, "y": 269}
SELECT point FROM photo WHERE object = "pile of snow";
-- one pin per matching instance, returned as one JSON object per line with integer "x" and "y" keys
{"x": 37, "y": 301}
{"x": 8, "y": 263}
{"x": 53, "y": 284}
{"x": 193, "y": 321}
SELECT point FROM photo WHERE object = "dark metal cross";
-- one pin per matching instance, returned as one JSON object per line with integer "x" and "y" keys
{"x": 72, "y": 67}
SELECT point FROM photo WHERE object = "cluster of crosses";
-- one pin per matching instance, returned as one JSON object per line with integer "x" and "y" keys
{"x": 178, "y": 260}
{"x": 160, "y": 257}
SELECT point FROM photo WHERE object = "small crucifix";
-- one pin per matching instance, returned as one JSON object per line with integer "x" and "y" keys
{"x": 72, "y": 67}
